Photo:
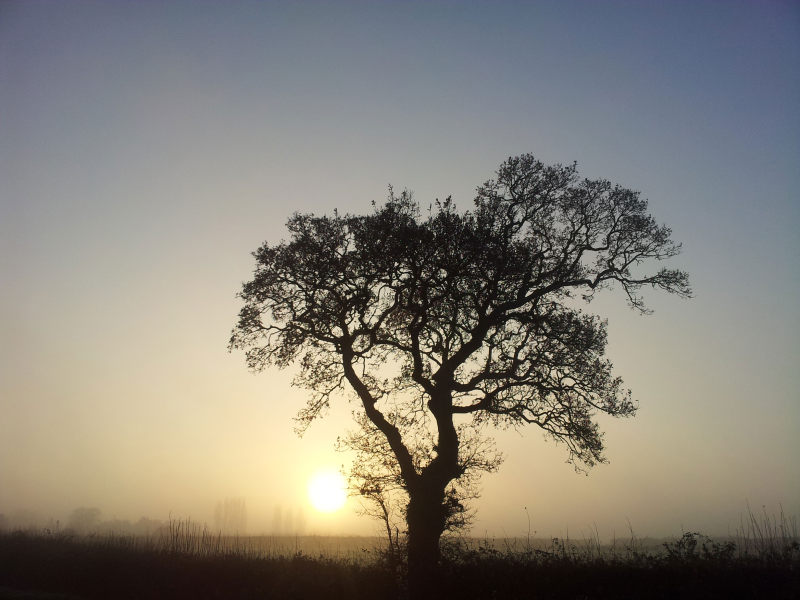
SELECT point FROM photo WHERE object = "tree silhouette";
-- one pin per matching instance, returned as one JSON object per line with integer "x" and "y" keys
{"x": 447, "y": 324}
{"x": 84, "y": 519}
{"x": 230, "y": 516}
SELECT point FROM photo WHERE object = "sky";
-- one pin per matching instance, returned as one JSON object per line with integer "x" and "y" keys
{"x": 147, "y": 148}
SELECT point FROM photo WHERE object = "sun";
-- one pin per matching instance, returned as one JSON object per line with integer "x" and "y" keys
{"x": 327, "y": 491}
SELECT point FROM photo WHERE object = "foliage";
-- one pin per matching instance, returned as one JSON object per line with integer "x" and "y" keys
{"x": 445, "y": 325}
{"x": 199, "y": 567}
{"x": 692, "y": 545}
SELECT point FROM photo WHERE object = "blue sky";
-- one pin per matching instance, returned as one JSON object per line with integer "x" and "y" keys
{"x": 146, "y": 148}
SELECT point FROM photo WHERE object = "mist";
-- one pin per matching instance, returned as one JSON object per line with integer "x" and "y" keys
{"x": 147, "y": 150}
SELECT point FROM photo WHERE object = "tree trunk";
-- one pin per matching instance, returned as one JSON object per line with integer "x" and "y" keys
{"x": 426, "y": 521}
{"x": 427, "y": 513}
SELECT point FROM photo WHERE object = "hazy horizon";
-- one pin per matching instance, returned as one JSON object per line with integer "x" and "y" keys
{"x": 147, "y": 148}
{"x": 292, "y": 522}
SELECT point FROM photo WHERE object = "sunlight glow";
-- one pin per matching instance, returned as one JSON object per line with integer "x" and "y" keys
{"x": 327, "y": 491}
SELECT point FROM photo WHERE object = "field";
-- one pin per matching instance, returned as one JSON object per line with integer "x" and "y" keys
{"x": 187, "y": 561}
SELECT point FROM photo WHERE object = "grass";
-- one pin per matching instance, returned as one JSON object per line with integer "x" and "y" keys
{"x": 183, "y": 565}
{"x": 762, "y": 560}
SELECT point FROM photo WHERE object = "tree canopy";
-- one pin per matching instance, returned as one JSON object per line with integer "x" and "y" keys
{"x": 443, "y": 322}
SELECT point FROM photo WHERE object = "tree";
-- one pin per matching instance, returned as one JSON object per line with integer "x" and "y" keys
{"x": 446, "y": 324}
{"x": 230, "y": 516}
{"x": 84, "y": 519}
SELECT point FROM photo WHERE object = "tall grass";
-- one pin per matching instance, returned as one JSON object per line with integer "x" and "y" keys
{"x": 759, "y": 536}
{"x": 189, "y": 538}
{"x": 186, "y": 537}
{"x": 768, "y": 537}
{"x": 183, "y": 560}
{"x": 187, "y": 560}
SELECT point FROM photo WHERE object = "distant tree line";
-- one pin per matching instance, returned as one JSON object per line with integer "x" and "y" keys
{"x": 230, "y": 516}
